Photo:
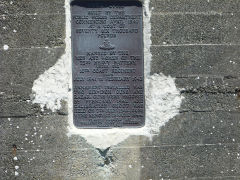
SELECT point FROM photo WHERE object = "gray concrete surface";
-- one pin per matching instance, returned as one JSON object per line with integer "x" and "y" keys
{"x": 195, "y": 41}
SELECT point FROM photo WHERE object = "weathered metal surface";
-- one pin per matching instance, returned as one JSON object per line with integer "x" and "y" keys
{"x": 107, "y": 64}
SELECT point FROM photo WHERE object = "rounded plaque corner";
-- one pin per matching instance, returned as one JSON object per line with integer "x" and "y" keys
{"x": 142, "y": 124}
{"x": 73, "y": 2}
{"x": 75, "y": 124}
{"x": 139, "y": 3}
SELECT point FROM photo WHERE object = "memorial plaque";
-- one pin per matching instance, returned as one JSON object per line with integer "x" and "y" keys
{"x": 107, "y": 64}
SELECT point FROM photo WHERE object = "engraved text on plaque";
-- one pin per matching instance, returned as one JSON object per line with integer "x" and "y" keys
{"x": 107, "y": 64}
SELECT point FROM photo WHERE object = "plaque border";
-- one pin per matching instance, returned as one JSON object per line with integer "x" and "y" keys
{"x": 140, "y": 4}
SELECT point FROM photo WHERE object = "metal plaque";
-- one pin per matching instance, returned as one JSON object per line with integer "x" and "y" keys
{"x": 107, "y": 64}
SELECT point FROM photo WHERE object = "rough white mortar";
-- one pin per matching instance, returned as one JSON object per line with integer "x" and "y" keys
{"x": 162, "y": 97}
